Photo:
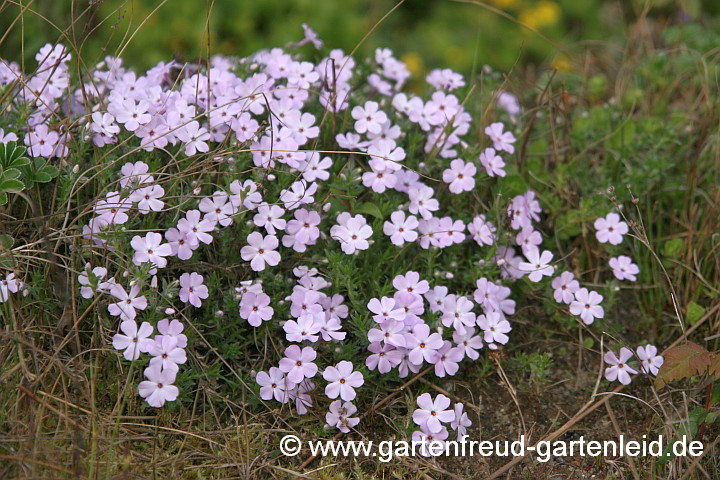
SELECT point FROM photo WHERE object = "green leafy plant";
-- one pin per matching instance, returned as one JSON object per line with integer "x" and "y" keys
{"x": 12, "y": 159}
{"x": 18, "y": 172}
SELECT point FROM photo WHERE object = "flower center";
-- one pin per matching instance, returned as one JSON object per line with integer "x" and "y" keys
{"x": 342, "y": 380}
{"x": 298, "y": 363}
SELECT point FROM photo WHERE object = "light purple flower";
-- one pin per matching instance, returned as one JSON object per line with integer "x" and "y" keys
{"x": 460, "y": 176}
{"x": 192, "y": 289}
{"x": 339, "y": 416}
{"x": 431, "y": 444}
{"x": 167, "y": 353}
{"x": 390, "y": 332}
{"x": 624, "y": 268}
{"x": 368, "y": 118}
{"x": 298, "y": 364}
{"x": 270, "y": 217}
{"x": 343, "y": 381}
{"x": 255, "y": 308}
{"x": 130, "y": 114}
{"x": 469, "y": 343}
{"x": 274, "y": 385}
{"x": 127, "y": 304}
{"x": 587, "y": 305}
{"x": 158, "y": 388}
{"x": 195, "y": 228}
{"x": 181, "y": 244}
{"x": 528, "y": 239}
{"x": 651, "y": 361}
{"x": 565, "y": 287}
{"x": 446, "y": 359}
{"x": 610, "y": 229}
{"x": 422, "y": 201}
{"x": 353, "y": 235}
{"x": 385, "y": 309}
{"x": 422, "y": 344}
{"x": 619, "y": 369}
{"x": 495, "y": 327}
{"x": 217, "y": 209}
{"x": 134, "y": 341}
{"x": 433, "y": 413}
{"x": 150, "y": 249}
{"x": 401, "y": 229}
{"x": 493, "y": 163}
{"x": 501, "y": 140}
{"x": 537, "y": 265}
{"x": 98, "y": 273}
{"x": 411, "y": 283}
{"x": 436, "y": 298}
{"x": 305, "y": 328}
{"x": 457, "y": 313}
{"x": 260, "y": 251}
{"x": 461, "y": 421}
{"x": 148, "y": 199}
{"x": 194, "y": 137}
{"x": 172, "y": 328}
{"x": 384, "y": 357}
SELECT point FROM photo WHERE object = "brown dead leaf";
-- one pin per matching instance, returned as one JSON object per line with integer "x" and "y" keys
{"x": 685, "y": 361}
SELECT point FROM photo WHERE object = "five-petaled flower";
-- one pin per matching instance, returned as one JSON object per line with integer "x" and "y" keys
{"x": 343, "y": 381}
{"x": 619, "y": 368}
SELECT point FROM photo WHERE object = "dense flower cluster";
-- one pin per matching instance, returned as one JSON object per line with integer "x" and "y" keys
{"x": 265, "y": 103}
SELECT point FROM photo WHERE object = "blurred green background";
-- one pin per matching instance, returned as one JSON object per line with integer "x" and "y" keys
{"x": 425, "y": 33}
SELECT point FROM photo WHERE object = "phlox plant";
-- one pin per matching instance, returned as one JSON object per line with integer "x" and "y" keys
{"x": 300, "y": 173}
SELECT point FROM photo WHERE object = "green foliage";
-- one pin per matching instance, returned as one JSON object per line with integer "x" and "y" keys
{"x": 18, "y": 173}
{"x": 535, "y": 366}
{"x": 11, "y": 160}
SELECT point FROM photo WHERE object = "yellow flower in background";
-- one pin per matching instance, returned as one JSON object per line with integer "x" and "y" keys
{"x": 544, "y": 14}
{"x": 414, "y": 63}
{"x": 561, "y": 63}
